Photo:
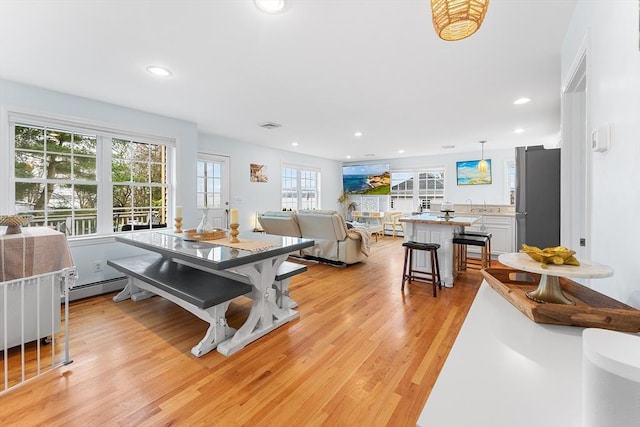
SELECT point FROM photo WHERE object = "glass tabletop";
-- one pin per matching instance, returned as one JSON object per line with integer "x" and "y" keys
{"x": 211, "y": 254}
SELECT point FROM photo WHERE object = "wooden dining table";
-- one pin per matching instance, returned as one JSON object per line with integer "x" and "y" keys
{"x": 254, "y": 260}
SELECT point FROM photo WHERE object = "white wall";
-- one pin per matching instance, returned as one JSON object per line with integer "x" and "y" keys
{"x": 613, "y": 96}
{"x": 495, "y": 193}
{"x": 249, "y": 197}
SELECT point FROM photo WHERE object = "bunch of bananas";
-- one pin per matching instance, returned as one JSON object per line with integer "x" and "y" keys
{"x": 558, "y": 255}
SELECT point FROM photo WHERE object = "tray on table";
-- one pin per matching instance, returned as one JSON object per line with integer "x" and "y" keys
{"x": 591, "y": 310}
{"x": 193, "y": 235}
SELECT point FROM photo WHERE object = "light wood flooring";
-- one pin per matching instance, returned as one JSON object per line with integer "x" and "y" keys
{"x": 362, "y": 353}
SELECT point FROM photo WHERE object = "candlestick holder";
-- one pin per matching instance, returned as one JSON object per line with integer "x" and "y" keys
{"x": 178, "y": 224}
{"x": 234, "y": 233}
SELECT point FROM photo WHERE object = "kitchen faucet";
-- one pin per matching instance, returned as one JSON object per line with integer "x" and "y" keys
{"x": 470, "y": 205}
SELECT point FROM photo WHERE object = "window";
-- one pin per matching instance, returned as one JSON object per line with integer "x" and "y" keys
{"x": 511, "y": 179}
{"x": 300, "y": 188}
{"x": 138, "y": 173}
{"x": 209, "y": 183}
{"x": 85, "y": 181}
{"x": 55, "y": 178}
{"x": 407, "y": 196}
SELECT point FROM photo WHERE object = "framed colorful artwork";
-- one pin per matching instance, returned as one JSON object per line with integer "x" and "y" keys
{"x": 467, "y": 173}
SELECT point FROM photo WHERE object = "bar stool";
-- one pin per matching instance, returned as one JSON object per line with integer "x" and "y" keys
{"x": 481, "y": 234}
{"x": 431, "y": 277}
{"x": 460, "y": 243}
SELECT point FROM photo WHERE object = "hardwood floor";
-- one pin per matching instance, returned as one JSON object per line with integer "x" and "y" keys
{"x": 362, "y": 353}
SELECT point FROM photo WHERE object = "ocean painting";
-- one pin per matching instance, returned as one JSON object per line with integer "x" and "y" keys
{"x": 367, "y": 179}
{"x": 468, "y": 173}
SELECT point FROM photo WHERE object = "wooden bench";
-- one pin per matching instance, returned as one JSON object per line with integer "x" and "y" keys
{"x": 281, "y": 284}
{"x": 204, "y": 294}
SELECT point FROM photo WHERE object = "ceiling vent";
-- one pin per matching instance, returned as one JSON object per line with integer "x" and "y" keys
{"x": 270, "y": 125}
{"x": 370, "y": 155}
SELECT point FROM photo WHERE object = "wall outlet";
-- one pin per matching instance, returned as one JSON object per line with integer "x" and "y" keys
{"x": 98, "y": 266}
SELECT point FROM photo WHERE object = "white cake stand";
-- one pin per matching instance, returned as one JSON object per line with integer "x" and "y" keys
{"x": 549, "y": 290}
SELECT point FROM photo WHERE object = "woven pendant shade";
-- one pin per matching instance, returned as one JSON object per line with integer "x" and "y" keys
{"x": 457, "y": 19}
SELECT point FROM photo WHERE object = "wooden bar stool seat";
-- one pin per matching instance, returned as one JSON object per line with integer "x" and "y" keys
{"x": 411, "y": 274}
{"x": 460, "y": 244}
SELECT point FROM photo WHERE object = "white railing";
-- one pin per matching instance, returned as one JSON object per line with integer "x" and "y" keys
{"x": 34, "y": 326}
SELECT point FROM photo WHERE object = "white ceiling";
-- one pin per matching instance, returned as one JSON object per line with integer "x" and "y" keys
{"x": 323, "y": 69}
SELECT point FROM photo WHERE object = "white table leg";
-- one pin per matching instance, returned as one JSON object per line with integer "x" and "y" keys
{"x": 265, "y": 314}
{"x": 283, "y": 299}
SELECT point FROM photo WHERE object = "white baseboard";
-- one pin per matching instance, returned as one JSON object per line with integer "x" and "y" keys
{"x": 98, "y": 288}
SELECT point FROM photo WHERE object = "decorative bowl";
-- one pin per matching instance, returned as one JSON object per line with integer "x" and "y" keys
{"x": 14, "y": 222}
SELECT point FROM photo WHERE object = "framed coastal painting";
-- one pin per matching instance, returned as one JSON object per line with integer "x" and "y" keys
{"x": 467, "y": 173}
{"x": 367, "y": 179}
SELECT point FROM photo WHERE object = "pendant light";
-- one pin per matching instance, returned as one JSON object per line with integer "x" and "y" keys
{"x": 457, "y": 19}
{"x": 483, "y": 166}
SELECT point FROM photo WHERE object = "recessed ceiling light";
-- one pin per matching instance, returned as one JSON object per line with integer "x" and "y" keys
{"x": 348, "y": 157}
{"x": 156, "y": 70}
{"x": 400, "y": 151}
{"x": 271, "y": 6}
{"x": 519, "y": 130}
{"x": 294, "y": 143}
{"x": 521, "y": 101}
{"x": 357, "y": 134}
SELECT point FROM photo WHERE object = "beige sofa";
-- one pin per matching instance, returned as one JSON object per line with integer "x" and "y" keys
{"x": 334, "y": 243}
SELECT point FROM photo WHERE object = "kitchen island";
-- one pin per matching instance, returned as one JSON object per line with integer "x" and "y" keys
{"x": 432, "y": 228}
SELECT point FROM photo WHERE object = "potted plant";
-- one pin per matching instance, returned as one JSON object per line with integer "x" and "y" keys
{"x": 347, "y": 205}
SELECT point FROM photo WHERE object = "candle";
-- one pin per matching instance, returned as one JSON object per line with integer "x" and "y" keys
{"x": 178, "y": 211}
{"x": 234, "y": 216}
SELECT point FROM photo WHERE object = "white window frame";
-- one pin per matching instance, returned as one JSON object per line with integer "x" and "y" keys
{"x": 416, "y": 196}
{"x": 301, "y": 168}
{"x": 104, "y": 134}
{"x": 509, "y": 179}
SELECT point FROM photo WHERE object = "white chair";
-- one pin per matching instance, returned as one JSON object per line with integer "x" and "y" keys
{"x": 391, "y": 219}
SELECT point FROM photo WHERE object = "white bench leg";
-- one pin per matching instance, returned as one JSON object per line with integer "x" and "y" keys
{"x": 129, "y": 289}
{"x": 218, "y": 330}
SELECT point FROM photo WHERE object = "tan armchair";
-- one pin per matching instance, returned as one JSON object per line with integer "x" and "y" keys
{"x": 391, "y": 219}
{"x": 333, "y": 241}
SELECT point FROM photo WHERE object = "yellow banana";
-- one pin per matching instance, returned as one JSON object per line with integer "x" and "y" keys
{"x": 557, "y": 255}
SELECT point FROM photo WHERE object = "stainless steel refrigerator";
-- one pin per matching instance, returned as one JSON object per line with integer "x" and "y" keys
{"x": 537, "y": 196}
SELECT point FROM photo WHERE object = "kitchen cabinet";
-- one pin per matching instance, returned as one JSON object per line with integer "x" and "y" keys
{"x": 502, "y": 227}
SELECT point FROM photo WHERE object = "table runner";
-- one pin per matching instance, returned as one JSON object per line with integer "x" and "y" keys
{"x": 245, "y": 244}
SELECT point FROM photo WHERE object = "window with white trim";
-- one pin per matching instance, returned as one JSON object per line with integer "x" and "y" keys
{"x": 209, "y": 183}
{"x": 300, "y": 187}
{"x": 87, "y": 181}
{"x": 412, "y": 189}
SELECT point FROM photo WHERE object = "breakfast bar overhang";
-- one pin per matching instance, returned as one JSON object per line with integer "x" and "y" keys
{"x": 430, "y": 228}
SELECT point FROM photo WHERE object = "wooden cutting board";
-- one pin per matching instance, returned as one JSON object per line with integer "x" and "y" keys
{"x": 592, "y": 309}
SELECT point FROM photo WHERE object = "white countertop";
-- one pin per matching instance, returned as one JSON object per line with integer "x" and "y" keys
{"x": 506, "y": 370}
